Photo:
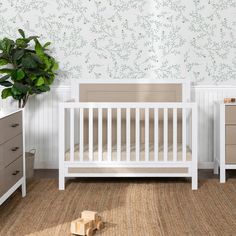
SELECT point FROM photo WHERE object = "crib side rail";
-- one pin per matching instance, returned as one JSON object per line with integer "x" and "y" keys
{"x": 116, "y": 155}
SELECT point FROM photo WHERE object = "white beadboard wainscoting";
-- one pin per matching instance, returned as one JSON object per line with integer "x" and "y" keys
{"x": 42, "y": 122}
{"x": 207, "y": 97}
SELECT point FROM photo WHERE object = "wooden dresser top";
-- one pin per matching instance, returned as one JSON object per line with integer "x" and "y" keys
{"x": 8, "y": 112}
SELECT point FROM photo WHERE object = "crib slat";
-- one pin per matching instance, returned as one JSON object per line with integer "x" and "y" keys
{"x": 81, "y": 134}
{"x": 165, "y": 135}
{"x": 183, "y": 134}
{"x": 118, "y": 134}
{"x": 175, "y": 134}
{"x": 90, "y": 134}
{"x": 100, "y": 136}
{"x": 137, "y": 120}
{"x": 156, "y": 134}
{"x": 128, "y": 134}
{"x": 146, "y": 134}
{"x": 109, "y": 135}
{"x": 72, "y": 134}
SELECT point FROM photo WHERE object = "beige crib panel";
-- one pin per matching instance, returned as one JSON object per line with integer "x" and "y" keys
{"x": 130, "y": 93}
{"x": 132, "y": 153}
{"x": 110, "y": 170}
{"x": 162, "y": 170}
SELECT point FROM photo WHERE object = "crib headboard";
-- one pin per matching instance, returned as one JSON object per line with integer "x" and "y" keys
{"x": 131, "y": 90}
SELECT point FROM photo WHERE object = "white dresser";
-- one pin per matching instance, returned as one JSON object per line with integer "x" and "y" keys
{"x": 12, "y": 158}
{"x": 225, "y": 139}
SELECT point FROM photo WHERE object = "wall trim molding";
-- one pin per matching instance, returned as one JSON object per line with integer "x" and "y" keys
{"x": 193, "y": 86}
{"x": 213, "y": 86}
{"x": 206, "y": 165}
{"x": 61, "y": 87}
{"x": 46, "y": 165}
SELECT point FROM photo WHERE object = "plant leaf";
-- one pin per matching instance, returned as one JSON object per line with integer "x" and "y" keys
{"x": 22, "y": 43}
{"x": 6, "y": 84}
{"x": 36, "y": 58}
{"x": 32, "y": 37}
{"x": 34, "y": 77}
{"x": 18, "y": 54}
{"x": 6, "y": 71}
{"x": 40, "y": 82}
{"x": 6, "y": 93}
{"x": 6, "y": 45}
{"x": 20, "y": 74}
{"x": 2, "y": 55}
{"x": 15, "y": 92}
{"x": 29, "y": 63}
{"x": 21, "y": 88}
{"x": 47, "y": 62}
{"x": 39, "y": 49}
{"x": 3, "y": 62}
{"x": 46, "y": 45}
{"x": 4, "y": 78}
{"x": 1, "y": 45}
{"x": 55, "y": 66}
{"x": 22, "y": 33}
{"x": 44, "y": 88}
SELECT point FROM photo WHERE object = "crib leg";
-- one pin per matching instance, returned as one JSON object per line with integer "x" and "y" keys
{"x": 194, "y": 179}
{"x": 61, "y": 181}
{"x": 23, "y": 188}
{"x": 222, "y": 175}
{"x": 194, "y": 183}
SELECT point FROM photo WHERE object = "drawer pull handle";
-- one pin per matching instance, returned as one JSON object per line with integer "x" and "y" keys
{"x": 14, "y": 125}
{"x": 16, "y": 172}
{"x": 15, "y": 149}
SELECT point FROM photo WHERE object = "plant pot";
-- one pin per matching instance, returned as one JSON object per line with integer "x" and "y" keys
{"x": 29, "y": 163}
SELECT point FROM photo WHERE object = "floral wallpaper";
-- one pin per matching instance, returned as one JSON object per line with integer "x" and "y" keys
{"x": 118, "y": 39}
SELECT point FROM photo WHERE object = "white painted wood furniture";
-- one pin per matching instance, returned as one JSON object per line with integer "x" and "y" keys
{"x": 119, "y": 154}
{"x": 225, "y": 127}
{"x": 12, "y": 160}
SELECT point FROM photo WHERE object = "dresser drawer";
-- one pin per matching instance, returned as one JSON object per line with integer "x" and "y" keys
{"x": 12, "y": 173}
{"x": 230, "y": 114}
{"x": 230, "y": 154}
{"x": 230, "y": 134}
{"x": 11, "y": 150}
{"x": 10, "y": 126}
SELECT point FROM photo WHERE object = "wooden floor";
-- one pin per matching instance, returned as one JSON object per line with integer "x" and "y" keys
{"x": 130, "y": 207}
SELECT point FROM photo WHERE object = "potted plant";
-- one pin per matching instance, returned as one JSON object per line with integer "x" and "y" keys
{"x": 26, "y": 69}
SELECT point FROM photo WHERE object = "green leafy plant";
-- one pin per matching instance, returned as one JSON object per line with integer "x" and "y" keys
{"x": 25, "y": 67}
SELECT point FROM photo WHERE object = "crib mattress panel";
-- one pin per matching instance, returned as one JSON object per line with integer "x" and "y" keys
{"x": 162, "y": 170}
{"x": 132, "y": 153}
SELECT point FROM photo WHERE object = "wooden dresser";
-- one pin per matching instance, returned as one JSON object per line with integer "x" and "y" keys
{"x": 12, "y": 162}
{"x": 225, "y": 139}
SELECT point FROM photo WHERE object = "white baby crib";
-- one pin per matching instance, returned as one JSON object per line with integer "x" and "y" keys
{"x": 117, "y": 129}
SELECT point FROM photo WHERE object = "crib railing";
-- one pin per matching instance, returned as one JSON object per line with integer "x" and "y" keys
{"x": 189, "y": 132}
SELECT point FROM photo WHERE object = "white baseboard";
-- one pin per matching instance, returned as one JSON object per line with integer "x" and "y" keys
{"x": 46, "y": 165}
{"x": 206, "y": 165}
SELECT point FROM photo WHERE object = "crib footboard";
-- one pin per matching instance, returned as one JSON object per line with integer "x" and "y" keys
{"x": 128, "y": 140}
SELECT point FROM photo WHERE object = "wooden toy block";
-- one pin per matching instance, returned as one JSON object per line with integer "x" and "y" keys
{"x": 89, "y": 214}
{"x": 88, "y": 222}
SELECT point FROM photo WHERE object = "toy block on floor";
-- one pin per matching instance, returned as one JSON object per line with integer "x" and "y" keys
{"x": 88, "y": 222}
